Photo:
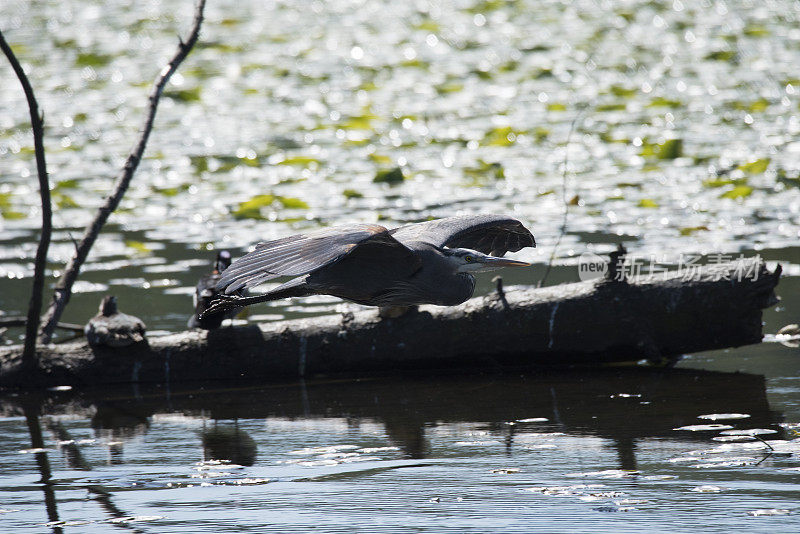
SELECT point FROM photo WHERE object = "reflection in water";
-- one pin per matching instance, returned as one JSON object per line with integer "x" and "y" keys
{"x": 75, "y": 460}
{"x": 31, "y": 412}
{"x": 229, "y": 444}
{"x": 619, "y": 405}
{"x": 623, "y": 407}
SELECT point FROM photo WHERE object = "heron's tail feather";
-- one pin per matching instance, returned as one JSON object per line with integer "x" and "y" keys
{"x": 225, "y": 303}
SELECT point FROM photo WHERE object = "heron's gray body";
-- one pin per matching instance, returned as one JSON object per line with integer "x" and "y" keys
{"x": 422, "y": 263}
{"x": 421, "y": 278}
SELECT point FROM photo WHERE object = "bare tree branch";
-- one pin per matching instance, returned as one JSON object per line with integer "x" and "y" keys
{"x": 63, "y": 289}
{"x": 40, "y": 264}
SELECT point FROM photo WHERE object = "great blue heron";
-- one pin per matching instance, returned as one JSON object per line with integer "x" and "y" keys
{"x": 424, "y": 263}
{"x": 112, "y": 328}
{"x": 205, "y": 293}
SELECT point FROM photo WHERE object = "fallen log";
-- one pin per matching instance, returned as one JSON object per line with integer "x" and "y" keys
{"x": 606, "y": 320}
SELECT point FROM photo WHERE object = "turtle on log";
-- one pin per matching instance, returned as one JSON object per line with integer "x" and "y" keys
{"x": 111, "y": 328}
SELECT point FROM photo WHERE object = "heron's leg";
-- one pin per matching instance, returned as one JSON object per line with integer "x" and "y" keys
{"x": 393, "y": 312}
{"x": 222, "y": 303}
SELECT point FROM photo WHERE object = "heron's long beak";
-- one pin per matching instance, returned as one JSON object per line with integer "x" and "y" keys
{"x": 494, "y": 261}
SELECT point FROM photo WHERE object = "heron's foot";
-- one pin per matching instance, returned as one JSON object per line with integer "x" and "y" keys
{"x": 221, "y": 304}
{"x": 393, "y": 312}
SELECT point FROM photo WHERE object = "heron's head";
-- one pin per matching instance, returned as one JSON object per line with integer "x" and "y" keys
{"x": 223, "y": 260}
{"x": 108, "y": 306}
{"x": 472, "y": 261}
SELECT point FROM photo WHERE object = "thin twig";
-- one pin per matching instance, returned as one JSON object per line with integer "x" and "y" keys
{"x": 63, "y": 289}
{"x": 40, "y": 263}
{"x": 564, "y": 219}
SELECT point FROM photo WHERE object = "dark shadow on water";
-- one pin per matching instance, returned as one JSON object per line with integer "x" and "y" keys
{"x": 622, "y": 405}
{"x": 229, "y": 443}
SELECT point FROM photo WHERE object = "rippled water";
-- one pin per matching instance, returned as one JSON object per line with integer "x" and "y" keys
{"x": 685, "y": 113}
{"x": 685, "y": 141}
{"x": 600, "y": 451}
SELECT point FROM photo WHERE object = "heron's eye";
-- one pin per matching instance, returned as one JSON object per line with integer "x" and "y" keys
{"x": 468, "y": 258}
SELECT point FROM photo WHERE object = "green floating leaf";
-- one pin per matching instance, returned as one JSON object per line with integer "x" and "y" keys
{"x": 756, "y": 106}
{"x": 755, "y": 167}
{"x": 556, "y": 106}
{"x": 358, "y": 122}
{"x": 756, "y": 31}
{"x": 428, "y": 25}
{"x": 609, "y": 137}
{"x": 11, "y": 215}
{"x": 184, "y": 95}
{"x": 138, "y": 246}
{"x": 300, "y": 161}
{"x": 615, "y": 106}
{"x": 669, "y": 149}
{"x": 618, "y": 90}
{"x": 293, "y": 203}
{"x": 648, "y": 203}
{"x": 251, "y": 209}
{"x": 393, "y": 176}
{"x": 502, "y": 136}
{"x": 72, "y": 183}
{"x": 64, "y": 201}
{"x": 661, "y": 102}
{"x": 509, "y": 66}
{"x": 689, "y": 230}
{"x": 416, "y": 64}
{"x": 449, "y": 87}
{"x": 721, "y": 55}
{"x": 740, "y": 191}
{"x": 171, "y": 191}
{"x": 722, "y": 182}
{"x": 88, "y": 59}
{"x": 485, "y": 6}
{"x": 352, "y": 193}
{"x": 200, "y": 163}
{"x": 220, "y": 46}
{"x": 380, "y": 159}
{"x": 5, "y": 208}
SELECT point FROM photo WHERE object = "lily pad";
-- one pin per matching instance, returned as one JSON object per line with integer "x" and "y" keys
{"x": 352, "y": 193}
{"x": 755, "y": 167}
{"x": 502, "y": 136}
{"x": 740, "y": 191}
{"x": 251, "y": 209}
{"x": 669, "y": 149}
{"x": 393, "y": 176}
{"x": 138, "y": 246}
{"x": 184, "y": 95}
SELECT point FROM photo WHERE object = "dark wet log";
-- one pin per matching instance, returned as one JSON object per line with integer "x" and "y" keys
{"x": 657, "y": 317}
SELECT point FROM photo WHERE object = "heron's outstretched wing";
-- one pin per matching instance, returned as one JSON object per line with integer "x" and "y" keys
{"x": 490, "y": 234}
{"x": 300, "y": 254}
